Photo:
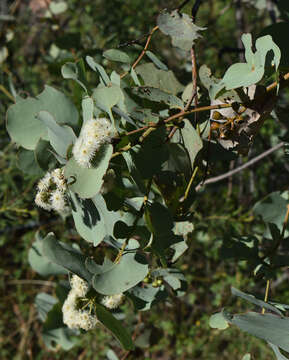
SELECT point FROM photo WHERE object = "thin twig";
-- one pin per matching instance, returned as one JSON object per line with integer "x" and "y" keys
{"x": 31, "y": 282}
{"x": 242, "y": 167}
{"x": 142, "y": 53}
{"x": 266, "y": 294}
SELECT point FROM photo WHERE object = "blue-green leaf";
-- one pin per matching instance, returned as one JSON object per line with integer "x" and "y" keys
{"x": 60, "y": 137}
{"x": 116, "y": 55}
{"x": 26, "y": 129}
{"x": 131, "y": 269}
{"x": 87, "y": 182}
{"x": 65, "y": 256}
{"x": 180, "y": 27}
{"x": 115, "y": 326}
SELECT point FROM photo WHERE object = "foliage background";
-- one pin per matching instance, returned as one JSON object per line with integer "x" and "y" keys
{"x": 33, "y": 46}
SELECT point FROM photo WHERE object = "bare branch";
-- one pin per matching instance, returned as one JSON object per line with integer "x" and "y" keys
{"x": 240, "y": 168}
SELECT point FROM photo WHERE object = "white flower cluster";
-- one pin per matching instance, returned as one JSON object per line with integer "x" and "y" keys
{"x": 113, "y": 301}
{"x": 93, "y": 134}
{"x": 51, "y": 192}
{"x": 76, "y": 318}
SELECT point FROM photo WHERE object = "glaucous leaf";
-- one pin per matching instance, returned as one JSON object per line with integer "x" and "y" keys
{"x": 252, "y": 299}
{"x": 27, "y": 163}
{"x": 44, "y": 303}
{"x": 106, "y": 97}
{"x": 26, "y": 129}
{"x": 65, "y": 256}
{"x": 192, "y": 141}
{"x": 159, "y": 96}
{"x": 272, "y": 208}
{"x": 160, "y": 79}
{"x": 98, "y": 68}
{"x": 87, "y": 182}
{"x": 92, "y": 220}
{"x": 60, "y": 137}
{"x": 131, "y": 269}
{"x": 269, "y": 327}
{"x": 217, "y": 321}
{"x": 116, "y": 55}
{"x": 70, "y": 71}
{"x": 159, "y": 64}
{"x": 114, "y": 326}
{"x": 40, "y": 263}
{"x": 251, "y": 72}
{"x": 180, "y": 27}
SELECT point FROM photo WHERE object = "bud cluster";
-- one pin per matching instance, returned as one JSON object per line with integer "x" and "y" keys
{"x": 93, "y": 134}
{"x": 113, "y": 301}
{"x": 74, "y": 317}
{"x": 51, "y": 192}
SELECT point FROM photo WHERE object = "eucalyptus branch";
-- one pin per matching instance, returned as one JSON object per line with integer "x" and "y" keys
{"x": 142, "y": 53}
{"x": 240, "y": 168}
{"x": 152, "y": 126}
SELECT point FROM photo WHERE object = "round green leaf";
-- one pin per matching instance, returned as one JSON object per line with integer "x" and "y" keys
{"x": 131, "y": 269}
{"x": 86, "y": 182}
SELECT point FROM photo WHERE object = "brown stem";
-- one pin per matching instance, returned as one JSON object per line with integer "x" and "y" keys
{"x": 143, "y": 52}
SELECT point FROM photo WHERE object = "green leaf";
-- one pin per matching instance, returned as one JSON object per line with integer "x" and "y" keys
{"x": 65, "y": 256}
{"x": 44, "y": 156}
{"x": 131, "y": 269}
{"x": 44, "y": 303}
{"x": 39, "y": 262}
{"x": 98, "y": 68}
{"x": 71, "y": 71}
{"x": 251, "y": 72}
{"x": 180, "y": 27}
{"x": 92, "y": 220}
{"x": 252, "y": 299}
{"x": 159, "y": 219}
{"x": 106, "y": 97}
{"x": 272, "y": 209}
{"x": 27, "y": 163}
{"x": 160, "y": 79}
{"x": 116, "y": 55}
{"x": 59, "y": 336}
{"x": 111, "y": 355}
{"x": 269, "y": 327}
{"x": 26, "y": 129}
{"x": 159, "y": 64}
{"x": 192, "y": 141}
{"x": 145, "y": 297}
{"x": 58, "y": 7}
{"x": 87, "y": 108}
{"x": 159, "y": 96}
{"x": 60, "y": 137}
{"x": 87, "y": 182}
{"x": 115, "y": 326}
{"x": 246, "y": 357}
{"x": 277, "y": 352}
{"x": 218, "y": 321}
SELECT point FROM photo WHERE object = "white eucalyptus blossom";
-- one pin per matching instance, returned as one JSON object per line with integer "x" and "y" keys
{"x": 112, "y": 301}
{"x": 44, "y": 183}
{"x": 73, "y": 317}
{"x": 51, "y": 192}
{"x": 58, "y": 202}
{"x": 93, "y": 134}
{"x": 39, "y": 201}
{"x": 59, "y": 179}
{"x": 79, "y": 286}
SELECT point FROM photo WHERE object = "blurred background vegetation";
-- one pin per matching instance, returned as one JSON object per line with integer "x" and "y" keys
{"x": 36, "y": 38}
